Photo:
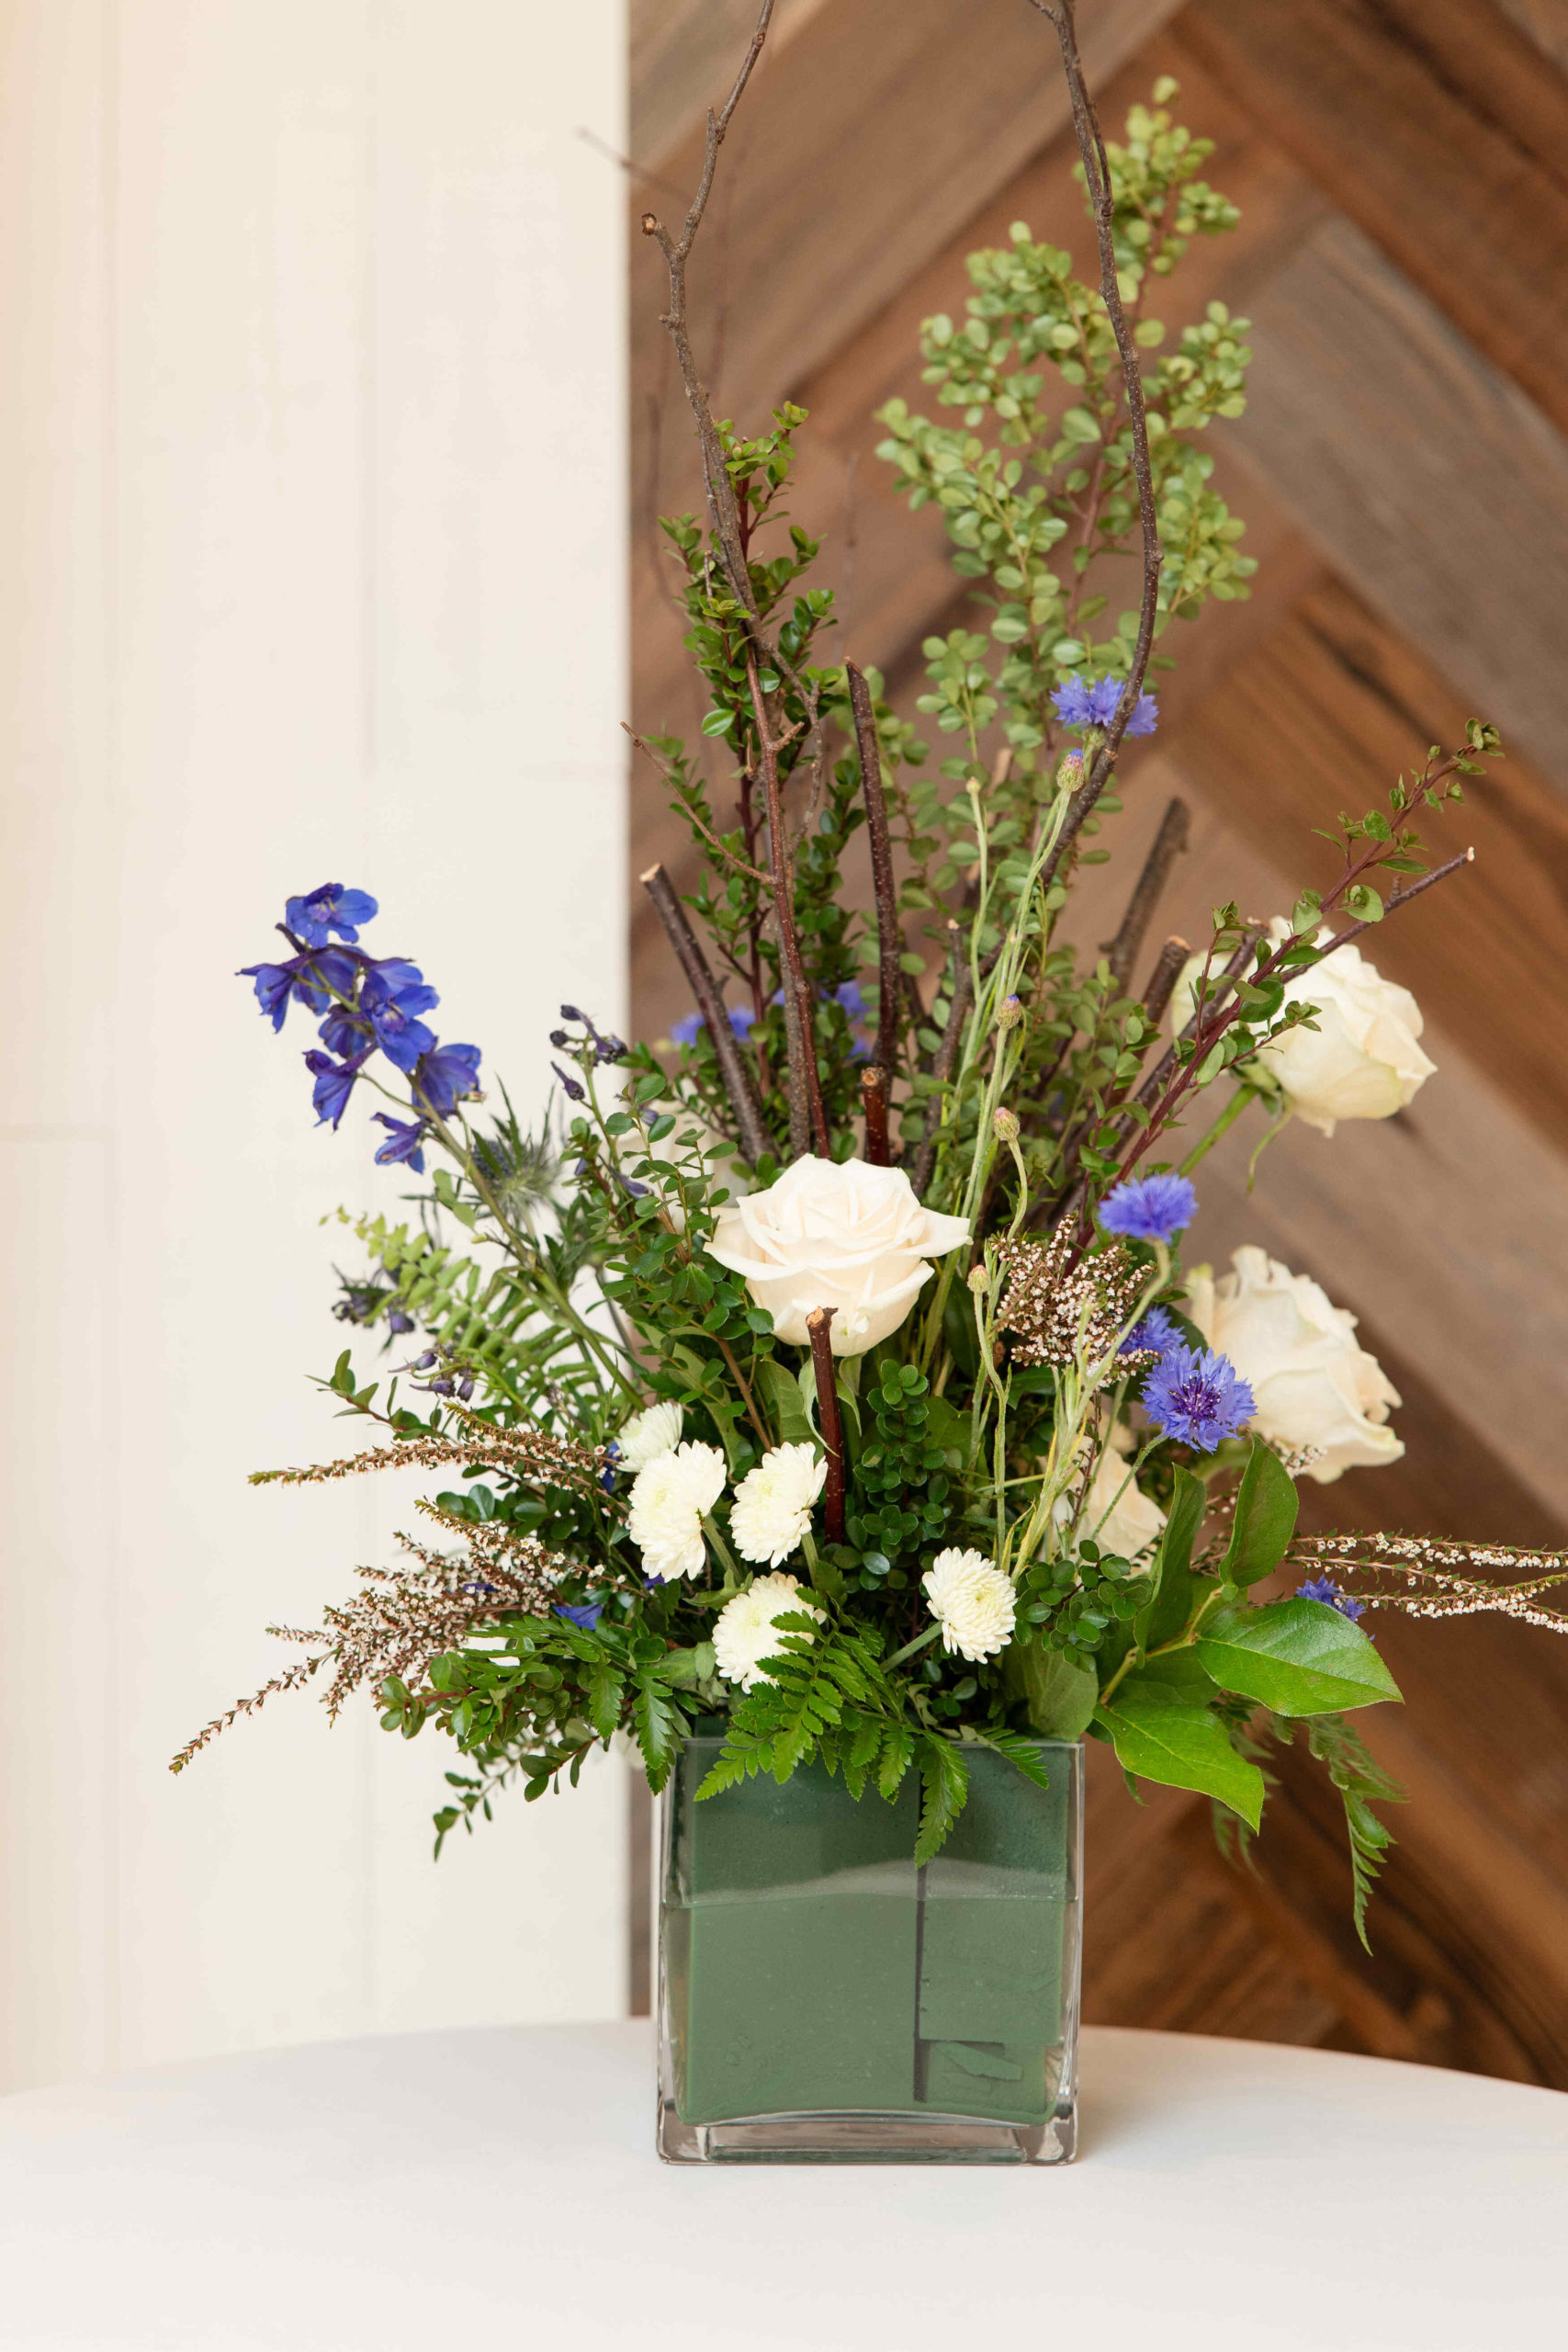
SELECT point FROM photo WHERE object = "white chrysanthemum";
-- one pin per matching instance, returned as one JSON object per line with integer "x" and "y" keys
{"x": 647, "y": 1435}
{"x": 668, "y": 1504}
{"x": 773, "y": 1503}
{"x": 743, "y": 1634}
{"x": 972, "y": 1601}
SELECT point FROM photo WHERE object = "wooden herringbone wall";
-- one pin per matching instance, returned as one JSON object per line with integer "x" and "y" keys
{"x": 1402, "y": 168}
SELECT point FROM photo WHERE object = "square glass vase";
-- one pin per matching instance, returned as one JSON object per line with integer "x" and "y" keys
{"x": 822, "y": 2000}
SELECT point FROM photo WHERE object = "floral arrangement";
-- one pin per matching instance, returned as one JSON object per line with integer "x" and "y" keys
{"x": 827, "y": 1375}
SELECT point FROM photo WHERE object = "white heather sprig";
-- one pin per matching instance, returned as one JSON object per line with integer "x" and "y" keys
{"x": 655, "y": 1430}
{"x": 669, "y": 1502}
{"x": 743, "y": 1632}
{"x": 972, "y": 1601}
{"x": 772, "y": 1504}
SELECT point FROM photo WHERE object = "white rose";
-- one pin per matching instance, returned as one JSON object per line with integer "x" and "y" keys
{"x": 773, "y": 1503}
{"x": 972, "y": 1601}
{"x": 743, "y": 1633}
{"x": 669, "y": 1500}
{"x": 846, "y": 1236}
{"x": 1314, "y": 1385}
{"x": 1119, "y": 1517}
{"x": 648, "y": 1434}
{"x": 1362, "y": 1062}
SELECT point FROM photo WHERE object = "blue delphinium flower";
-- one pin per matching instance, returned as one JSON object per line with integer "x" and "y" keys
{"x": 1149, "y": 1208}
{"x": 1324, "y": 1588}
{"x": 402, "y": 1145}
{"x": 444, "y": 1074}
{"x": 585, "y": 1614}
{"x": 394, "y": 1002}
{"x": 307, "y": 979}
{"x": 608, "y": 1474}
{"x": 1198, "y": 1397}
{"x": 314, "y": 918}
{"x": 684, "y": 1032}
{"x": 335, "y": 1083}
{"x": 1157, "y": 1329}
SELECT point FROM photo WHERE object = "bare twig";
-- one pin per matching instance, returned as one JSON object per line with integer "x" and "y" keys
{"x": 1169, "y": 844}
{"x": 1097, "y": 176}
{"x": 1163, "y": 978}
{"x": 754, "y": 1138}
{"x": 692, "y": 816}
{"x": 889, "y": 934}
{"x": 807, "y": 1120}
{"x": 874, "y": 1095}
{"x": 818, "y": 1323}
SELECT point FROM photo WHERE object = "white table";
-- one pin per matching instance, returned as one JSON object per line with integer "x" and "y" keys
{"x": 500, "y": 2189}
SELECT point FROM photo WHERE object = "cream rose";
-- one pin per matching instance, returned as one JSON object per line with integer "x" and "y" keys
{"x": 1117, "y": 1513}
{"x": 846, "y": 1236}
{"x": 1314, "y": 1385}
{"x": 1362, "y": 1062}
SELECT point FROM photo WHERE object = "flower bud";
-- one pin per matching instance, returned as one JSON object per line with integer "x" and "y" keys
{"x": 1069, "y": 774}
{"x": 979, "y": 1280}
{"x": 1010, "y": 1012}
{"x": 1005, "y": 1123}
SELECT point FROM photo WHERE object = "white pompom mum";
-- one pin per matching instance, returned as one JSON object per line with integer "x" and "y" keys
{"x": 669, "y": 1501}
{"x": 972, "y": 1601}
{"x": 772, "y": 1504}
{"x": 743, "y": 1634}
{"x": 647, "y": 1435}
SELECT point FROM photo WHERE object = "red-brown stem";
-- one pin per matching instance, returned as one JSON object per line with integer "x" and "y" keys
{"x": 1163, "y": 978}
{"x": 1169, "y": 843}
{"x": 807, "y": 1119}
{"x": 889, "y": 934}
{"x": 754, "y": 1139}
{"x": 873, "y": 1098}
{"x": 818, "y": 1323}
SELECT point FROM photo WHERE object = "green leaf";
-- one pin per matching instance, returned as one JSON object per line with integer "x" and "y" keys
{"x": 1058, "y": 1692}
{"x": 604, "y": 1691}
{"x": 1298, "y": 1657}
{"x": 784, "y": 1404}
{"x": 683, "y": 1669}
{"x": 1160, "y": 1735}
{"x": 1265, "y": 1519}
{"x": 944, "y": 1780}
{"x": 1166, "y": 1611}
{"x": 658, "y": 1726}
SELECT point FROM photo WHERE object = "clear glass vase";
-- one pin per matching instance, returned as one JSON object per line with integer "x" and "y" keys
{"x": 821, "y": 2000}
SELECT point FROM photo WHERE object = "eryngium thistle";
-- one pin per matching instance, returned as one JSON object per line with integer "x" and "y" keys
{"x": 1059, "y": 1313}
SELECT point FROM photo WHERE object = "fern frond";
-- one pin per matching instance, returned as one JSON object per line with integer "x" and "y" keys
{"x": 1359, "y": 1780}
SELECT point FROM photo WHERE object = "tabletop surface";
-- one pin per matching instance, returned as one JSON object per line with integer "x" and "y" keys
{"x": 500, "y": 2187}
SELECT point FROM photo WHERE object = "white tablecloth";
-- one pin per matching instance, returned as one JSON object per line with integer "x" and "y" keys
{"x": 500, "y": 2189}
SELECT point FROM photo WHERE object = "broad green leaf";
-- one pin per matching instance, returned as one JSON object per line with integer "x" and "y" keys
{"x": 1158, "y": 1735}
{"x": 783, "y": 1404}
{"x": 1170, "y": 1606}
{"x": 1058, "y": 1692}
{"x": 1265, "y": 1519}
{"x": 1179, "y": 1670}
{"x": 1298, "y": 1657}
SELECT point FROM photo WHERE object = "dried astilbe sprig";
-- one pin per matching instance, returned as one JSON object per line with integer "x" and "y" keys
{"x": 532, "y": 1457}
{"x": 1425, "y": 1576}
{"x": 412, "y": 1615}
{"x": 1059, "y": 1313}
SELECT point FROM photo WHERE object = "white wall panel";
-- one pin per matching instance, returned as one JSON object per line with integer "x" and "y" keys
{"x": 311, "y": 488}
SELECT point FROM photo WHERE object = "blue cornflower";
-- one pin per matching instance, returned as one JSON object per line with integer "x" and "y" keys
{"x": 1324, "y": 1588}
{"x": 444, "y": 1074}
{"x": 1157, "y": 1329}
{"x": 394, "y": 996}
{"x": 329, "y": 909}
{"x": 403, "y": 1143}
{"x": 1072, "y": 703}
{"x": 849, "y": 996}
{"x": 1103, "y": 699}
{"x": 1146, "y": 716}
{"x": 1094, "y": 703}
{"x": 684, "y": 1032}
{"x": 335, "y": 1083}
{"x": 1149, "y": 1208}
{"x": 1198, "y": 1397}
{"x": 584, "y": 1614}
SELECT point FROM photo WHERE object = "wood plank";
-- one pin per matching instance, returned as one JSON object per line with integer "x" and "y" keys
{"x": 681, "y": 58}
{"x": 1422, "y": 474}
{"x": 1323, "y": 717}
{"x": 1544, "y": 22}
{"x": 1432, "y": 125}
